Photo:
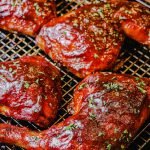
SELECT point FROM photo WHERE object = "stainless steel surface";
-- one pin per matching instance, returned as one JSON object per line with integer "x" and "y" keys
{"x": 134, "y": 59}
{"x": 144, "y": 2}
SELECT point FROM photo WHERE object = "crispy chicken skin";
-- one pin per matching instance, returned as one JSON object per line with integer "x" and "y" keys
{"x": 25, "y": 16}
{"x": 109, "y": 110}
{"x": 30, "y": 90}
{"x": 85, "y": 40}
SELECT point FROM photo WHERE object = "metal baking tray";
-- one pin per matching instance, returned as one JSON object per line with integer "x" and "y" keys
{"x": 134, "y": 59}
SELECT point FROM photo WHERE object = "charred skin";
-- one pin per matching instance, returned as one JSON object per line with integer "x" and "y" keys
{"x": 26, "y": 17}
{"x": 30, "y": 90}
{"x": 108, "y": 111}
{"x": 85, "y": 40}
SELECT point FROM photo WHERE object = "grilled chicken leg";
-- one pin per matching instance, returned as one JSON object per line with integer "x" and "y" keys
{"x": 85, "y": 40}
{"x": 25, "y": 16}
{"x": 108, "y": 111}
{"x": 90, "y": 38}
{"x": 135, "y": 21}
{"x": 30, "y": 90}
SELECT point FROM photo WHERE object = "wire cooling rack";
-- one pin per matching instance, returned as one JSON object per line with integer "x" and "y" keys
{"x": 134, "y": 59}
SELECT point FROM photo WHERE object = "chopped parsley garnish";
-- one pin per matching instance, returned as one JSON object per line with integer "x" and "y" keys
{"x": 13, "y": 4}
{"x": 108, "y": 147}
{"x": 107, "y": 6}
{"x": 37, "y": 9}
{"x": 62, "y": 78}
{"x": 91, "y": 100}
{"x": 10, "y": 69}
{"x": 36, "y": 110}
{"x": 65, "y": 32}
{"x": 3, "y": 67}
{"x": 37, "y": 81}
{"x": 96, "y": 55}
{"x": 26, "y": 85}
{"x": 71, "y": 127}
{"x": 116, "y": 130}
{"x": 100, "y": 12}
{"x": 137, "y": 79}
{"x": 125, "y": 131}
{"x": 101, "y": 134}
{"x": 112, "y": 86}
{"x": 122, "y": 147}
{"x": 141, "y": 86}
{"x": 92, "y": 116}
{"x": 35, "y": 138}
{"x": 81, "y": 86}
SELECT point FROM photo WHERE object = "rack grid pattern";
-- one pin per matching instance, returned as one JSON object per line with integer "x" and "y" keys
{"x": 134, "y": 59}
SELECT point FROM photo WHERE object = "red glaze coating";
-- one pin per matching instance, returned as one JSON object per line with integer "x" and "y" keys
{"x": 30, "y": 90}
{"x": 87, "y": 2}
{"x": 109, "y": 109}
{"x": 85, "y": 40}
{"x": 25, "y": 16}
{"x": 135, "y": 21}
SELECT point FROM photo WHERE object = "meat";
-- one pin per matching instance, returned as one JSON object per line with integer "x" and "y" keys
{"x": 135, "y": 21}
{"x": 89, "y": 39}
{"x": 30, "y": 90}
{"x": 25, "y": 16}
{"x": 108, "y": 111}
{"x": 85, "y": 40}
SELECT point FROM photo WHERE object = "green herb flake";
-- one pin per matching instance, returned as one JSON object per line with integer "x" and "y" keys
{"x": 91, "y": 100}
{"x": 122, "y": 146}
{"x": 65, "y": 32}
{"x": 112, "y": 86}
{"x": 26, "y": 85}
{"x": 36, "y": 138}
{"x": 101, "y": 134}
{"x": 71, "y": 127}
{"x": 37, "y": 9}
{"x": 37, "y": 81}
{"x": 125, "y": 131}
{"x": 92, "y": 116}
{"x": 3, "y": 67}
{"x": 81, "y": 86}
{"x": 41, "y": 72}
{"x": 96, "y": 55}
{"x": 108, "y": 147}
{"x": 13, "y": 4}
{"x": 10, "y": 69}
{"x": 141, "y": 86}
{"x": 130, "y": 135}
{"x": 36, "y": 110}
{"x": 116, "y": 130}
{"x": 141, "y": 90}
{"x": 137, "y": 78}
{"x": 108, "y": 6}
{"x": 115, "y": 140}
{"x": 62, "y": 78}
{"x": 100, "y": 12}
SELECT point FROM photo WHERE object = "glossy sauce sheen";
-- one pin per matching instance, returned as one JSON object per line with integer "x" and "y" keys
{"x": 30, "y": 90}
{"x": 25, "y": 16}
{"x": 85, "y": 40}
{"x": 108, "y": 111}
{"x": 135, "y": 21}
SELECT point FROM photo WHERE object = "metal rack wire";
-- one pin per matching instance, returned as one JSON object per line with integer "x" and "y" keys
{"x": 134, "y": 59}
